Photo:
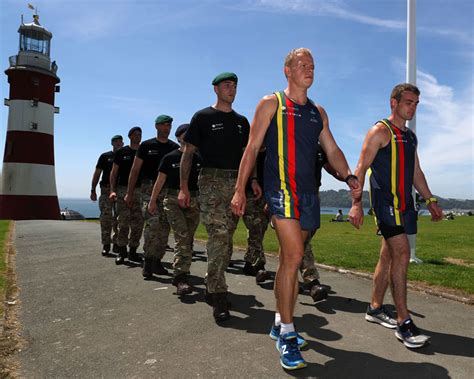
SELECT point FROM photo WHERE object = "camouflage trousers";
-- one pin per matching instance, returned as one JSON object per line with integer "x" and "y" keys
{"x": 108, "y": 218}
{"x": 216, "y": 188}
{"x": 256, "y": 222}
{"x": 184, "y": 223}
{"x": 130, "y": 221}
{"x": 308, "y": 269}
{"x": 157, "y": 228}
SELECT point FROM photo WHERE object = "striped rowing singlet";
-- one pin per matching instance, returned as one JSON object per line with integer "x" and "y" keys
{"x": 391, "y": 172}
{"x": 291, "y": 142}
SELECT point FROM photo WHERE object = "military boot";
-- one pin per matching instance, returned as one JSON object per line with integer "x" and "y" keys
{"x": 105, "y": 250}
{"x": 248, "y": 269}
{"x": 261, "y": 274}
{"x": 147, "y": 271}
{"x": 220, "y": 307}
{"x": 122, "y": 254}
{"x": 133, "y": 256}
{"x": 182, "y": 285}
{"x": 159, "y": 269}
{"x": 317, "y": 291}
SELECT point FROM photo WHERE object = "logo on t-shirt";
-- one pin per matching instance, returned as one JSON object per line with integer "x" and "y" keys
{"x": 152, "y": 152}
{"x": 219, "y": 126}
{"x": 175, "y": 165}
{"x": 240, "y": 128}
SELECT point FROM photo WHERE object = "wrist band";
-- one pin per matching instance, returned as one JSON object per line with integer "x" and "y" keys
{"x": 253, "y": 178}
{"x": 431, "y": 200}
{"x": 349, "y": 177}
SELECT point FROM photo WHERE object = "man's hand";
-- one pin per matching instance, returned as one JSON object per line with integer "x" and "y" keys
{"x": 355, "y": 188}
{"x": 436, "y": 211}
{"x": 152, "y": 208}
{"x": 184, "y": 198}
{"x": 238, "y": 203}
{"x": 93, "y": 195}
{"x": 113, "y": 197}
{"x": 128, "y": 199}
{"x": 356, "y": 215}
{"x": 257, "y": 190}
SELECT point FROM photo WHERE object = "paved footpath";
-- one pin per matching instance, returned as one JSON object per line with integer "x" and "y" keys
{"x": 85, "y": 317}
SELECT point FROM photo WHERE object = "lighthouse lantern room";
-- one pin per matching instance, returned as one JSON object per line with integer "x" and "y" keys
{"x": 28, "y": 184}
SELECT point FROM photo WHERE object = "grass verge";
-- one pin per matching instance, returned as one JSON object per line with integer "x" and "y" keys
{"x": 445, "y": 247}
{"x": 4, "y": 227}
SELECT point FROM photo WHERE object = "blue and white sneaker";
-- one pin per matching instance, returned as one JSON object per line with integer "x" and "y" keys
{"x": 275, "y": 333}
{"x": 290, "y": 355}
{"x": 410, "y": 335}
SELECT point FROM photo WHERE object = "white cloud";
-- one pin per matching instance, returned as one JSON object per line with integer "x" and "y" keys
{"x": 339, "y": 9}
{"x": 445, "y": 127}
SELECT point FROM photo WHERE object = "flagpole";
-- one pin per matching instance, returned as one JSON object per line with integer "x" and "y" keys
{"x": 411, "y": 78}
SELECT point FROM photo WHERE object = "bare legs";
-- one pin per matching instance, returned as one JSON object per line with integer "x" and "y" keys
{"x": 291, "y": 239}
{"x": 393, "y": 265}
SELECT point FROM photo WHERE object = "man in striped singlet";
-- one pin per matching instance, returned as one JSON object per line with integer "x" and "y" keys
{"x": 389, "y": 154}
{"x": 290, "y": 125}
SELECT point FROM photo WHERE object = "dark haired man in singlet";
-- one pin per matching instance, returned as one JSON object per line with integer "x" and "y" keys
{"x": 389, "y": 150}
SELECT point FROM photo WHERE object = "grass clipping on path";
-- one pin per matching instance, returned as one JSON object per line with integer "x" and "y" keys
{"x": 441, "y": 245}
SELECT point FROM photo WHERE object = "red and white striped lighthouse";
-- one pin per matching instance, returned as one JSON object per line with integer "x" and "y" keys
{"x": 28, "y": 184}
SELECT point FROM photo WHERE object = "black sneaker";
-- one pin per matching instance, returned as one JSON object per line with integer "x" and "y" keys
{"x": 380, "y": 316}
{"x": 410, "y": 335}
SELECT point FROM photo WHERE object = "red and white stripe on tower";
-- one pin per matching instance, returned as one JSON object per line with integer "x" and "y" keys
{"x": 28, "y": 184}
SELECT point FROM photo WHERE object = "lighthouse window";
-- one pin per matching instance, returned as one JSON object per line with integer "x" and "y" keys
{"x": 32, "y": 40}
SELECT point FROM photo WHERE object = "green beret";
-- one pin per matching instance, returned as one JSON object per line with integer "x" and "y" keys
{"x": 225, "y": 76}
{"x": 117, "y": 136}
{"x": 162, "y": 118}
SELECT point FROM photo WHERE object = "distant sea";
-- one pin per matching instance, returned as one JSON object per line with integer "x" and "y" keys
{"x": 87, "y": 207}
{"x": 90, "y": 209}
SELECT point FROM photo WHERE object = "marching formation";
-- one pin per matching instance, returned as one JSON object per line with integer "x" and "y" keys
{"x": 268, "y": 173}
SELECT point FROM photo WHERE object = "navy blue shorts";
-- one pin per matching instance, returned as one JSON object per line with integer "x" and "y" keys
{"x": 392, "y": 223}
{"x": 303, "y": 207}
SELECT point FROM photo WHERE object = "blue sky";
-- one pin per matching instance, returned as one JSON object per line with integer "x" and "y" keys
{"x": 122, "y": 63}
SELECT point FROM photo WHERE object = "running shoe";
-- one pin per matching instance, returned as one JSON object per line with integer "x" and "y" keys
{"x": 410, "y": 335}
{"x": 275, "y": 333}
{"x": 380, "y": 316}
{"x": 290, "y": 355}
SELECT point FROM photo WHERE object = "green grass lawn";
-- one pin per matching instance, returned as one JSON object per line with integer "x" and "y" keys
{"x": 339, "y": 244}
{"x": 4, "y": 225}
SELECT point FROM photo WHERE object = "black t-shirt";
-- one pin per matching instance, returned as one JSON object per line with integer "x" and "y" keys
{"x": 152, "y": 151}
{"x": 220, "y": 137}
{"x": 170, "y": 166}
{"x": 105, "y": 163}
{"x": 321, "y": 160}
{"x": 124, "y": 160}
